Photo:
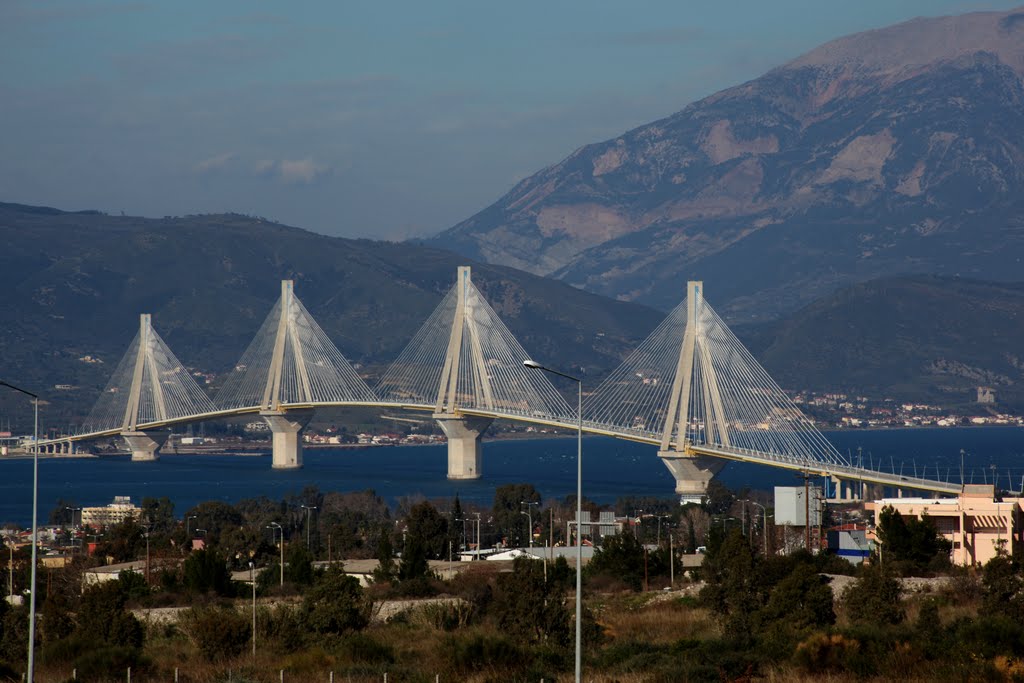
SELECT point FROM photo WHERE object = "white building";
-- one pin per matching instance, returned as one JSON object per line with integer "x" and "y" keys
{"x": 112, "y": 513}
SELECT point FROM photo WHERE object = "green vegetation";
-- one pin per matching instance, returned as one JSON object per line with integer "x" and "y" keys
{"x": 744, "y": 616}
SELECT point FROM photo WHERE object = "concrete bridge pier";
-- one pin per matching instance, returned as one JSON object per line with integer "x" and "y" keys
{"x": 464, "y": 443}
{"x": 145, "y": 446}
{"x": 692, "y": 473}
{"x": 287, "y": 436}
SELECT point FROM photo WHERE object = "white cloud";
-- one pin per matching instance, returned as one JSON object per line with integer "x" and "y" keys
{"x": 292, "y": 171}
{"x": 216, "y": 163}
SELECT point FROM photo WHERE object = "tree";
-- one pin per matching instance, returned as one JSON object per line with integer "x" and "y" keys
{"x": 801, "y": 600}
{"x": 508, "y": 506}
{"x": 385, "y": 570}
{"x": 215, "y": 517}
{"x": 102, "y": 616}
{"x": 912, "y": 544}
{"x": 158, "y": 513}
{"x": 414, "y": 563}
{"x": 429, "y": 529}
{"x": 218, "y": 632}
{"x": 206, "y": 571}
{"x": 62, "y": 513}
{"x": 620, "y": 556}
{"x": 335, "y": 604}
{"x": 718, "y": 498}
{"x": 455, "y": 527}
{"x": 124, "y": 541}
{"x": 735, "y": 588}
{"x": 874, "y": 597}
{"x": 1003, "y": 586}
{"x": 298, "y": 567}
{"x": 531, "y": 607}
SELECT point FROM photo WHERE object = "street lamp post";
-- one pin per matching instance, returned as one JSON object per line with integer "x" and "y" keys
{"x": 73, "y": 511}
{"x": 10, "y": 571}
{"x": 277, "y": 527}
{"x": 188, "y": 526}
{"x": 30, "y": 677}
{"x": 529, "y": 516}
{"x": 252, "y": 580}
{"x": 764, "y": 530}
{"x": 308, "y": 509}
{"x": 661, "y": 517}
{"x": 579, "y": 504}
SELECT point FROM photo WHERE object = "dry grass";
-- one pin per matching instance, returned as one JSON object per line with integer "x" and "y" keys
{"x": 656, "y": 621}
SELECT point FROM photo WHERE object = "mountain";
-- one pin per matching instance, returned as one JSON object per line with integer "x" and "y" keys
{"x": 894, "y": 151}
{"x": 75, "y": 283}
{"x": 919, "y": 338}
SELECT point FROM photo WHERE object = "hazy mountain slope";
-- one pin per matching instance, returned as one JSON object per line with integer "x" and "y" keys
{"x": 914, "y": 338}
{"x": 892, "y": 151}
{"x": 75, "y": 283}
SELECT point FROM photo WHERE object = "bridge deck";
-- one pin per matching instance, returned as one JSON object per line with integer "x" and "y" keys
{"x": 838, "y": 471}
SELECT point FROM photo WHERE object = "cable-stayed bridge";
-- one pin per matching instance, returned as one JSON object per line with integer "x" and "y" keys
{"x": 691, "y": 389}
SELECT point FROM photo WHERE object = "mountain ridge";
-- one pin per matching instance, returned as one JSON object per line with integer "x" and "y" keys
{"x": 75, "y": 284}
{"x": 836, "y": 172}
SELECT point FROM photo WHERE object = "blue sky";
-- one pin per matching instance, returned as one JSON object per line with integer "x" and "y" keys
{"x": 385, "y": 120}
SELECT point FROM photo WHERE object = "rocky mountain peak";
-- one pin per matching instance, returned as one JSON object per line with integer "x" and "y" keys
{"x": 892, "y": 151}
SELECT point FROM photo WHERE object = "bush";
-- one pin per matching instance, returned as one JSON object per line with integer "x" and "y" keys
{"x": 282, "y": 627}
{"x": 446, "y": 616}
{"x": 206, "y": 571}
{"x": 335, "y": 604}
{"x": 359, "y": 648}
{"x": 217, "y": 633}
{"x": 874, "y": 597}
{"x": 101, "y": 663}
{"x": 481, "y": 652}
{"x": 825, "y": 652}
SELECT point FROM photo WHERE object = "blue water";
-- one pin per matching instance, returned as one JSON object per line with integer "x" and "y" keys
{"x": 612, "y": 469}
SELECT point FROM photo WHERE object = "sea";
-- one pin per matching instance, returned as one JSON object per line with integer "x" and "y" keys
{"x": 611, "y": 469}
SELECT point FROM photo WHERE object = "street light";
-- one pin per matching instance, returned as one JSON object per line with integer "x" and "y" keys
{"x": 661, "y": 517}
{"x": 10, "y": 570}
{"x": 579, "y": 504}
{"x": 252, "y": 580}
{"x": 529, "y": 517}
{"x": 188, "y": 526}
{"x": 73, "y": 511}
{"x": 764, "y": 530}
{"x": 35, "y": 534}
{"x": 308, "y": 509}
{"x": 277, "y": 527}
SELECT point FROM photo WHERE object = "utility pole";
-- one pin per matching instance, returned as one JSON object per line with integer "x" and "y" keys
{"x": 807, "y": 512}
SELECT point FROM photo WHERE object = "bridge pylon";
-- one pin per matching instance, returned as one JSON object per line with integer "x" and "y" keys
{"x": 290, "y": 365}
{"x": 693, "y": 472}
{"x": 464, "y": 356}
{"x": 466, "y": 366}
{"x": 149, "y": 387}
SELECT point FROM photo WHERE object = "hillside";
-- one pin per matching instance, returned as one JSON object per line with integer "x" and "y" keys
{"x": 920, "y": 338}
{"x": 75, "y": 283}
{"x": 894, "y": 151}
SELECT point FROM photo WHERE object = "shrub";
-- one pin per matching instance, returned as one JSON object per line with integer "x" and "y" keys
{"x": 874, "y": 597}
{"x": 216, "y": 632}
{"x": 479, "y": 652}
{"x": 206, "y": 571}
{"x": 100, "y": 663}
{"x": 824, "y": 652}
{"x": 446, "y": 616}
{"x": 359, "y": 648}
{"x": 282, "y": 627}
{"x": 335, "y": 604}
